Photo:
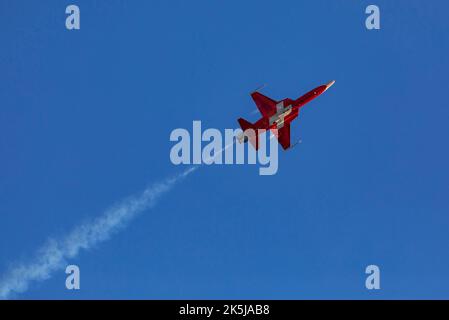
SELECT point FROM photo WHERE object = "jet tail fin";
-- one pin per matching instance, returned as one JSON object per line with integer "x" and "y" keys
{"x": 250, "y": 133}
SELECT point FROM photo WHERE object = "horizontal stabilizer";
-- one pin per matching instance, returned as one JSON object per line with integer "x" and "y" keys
{"x": 250, "y": 132}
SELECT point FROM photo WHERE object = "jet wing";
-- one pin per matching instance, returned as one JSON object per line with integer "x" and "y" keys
{"x": 266, "y": 106}
{"x": 284, "y": 136}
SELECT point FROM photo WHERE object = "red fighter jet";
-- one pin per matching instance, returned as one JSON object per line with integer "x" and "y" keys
{"x": 276, "y": 115}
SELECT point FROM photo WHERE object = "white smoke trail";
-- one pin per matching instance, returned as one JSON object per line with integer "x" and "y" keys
{"x": 52, "y": 256}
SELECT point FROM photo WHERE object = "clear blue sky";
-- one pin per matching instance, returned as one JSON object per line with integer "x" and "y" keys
{"x": 85, "y": 118}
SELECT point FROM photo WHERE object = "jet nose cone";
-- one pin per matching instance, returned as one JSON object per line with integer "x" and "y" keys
{"x": 330, "y": 84}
